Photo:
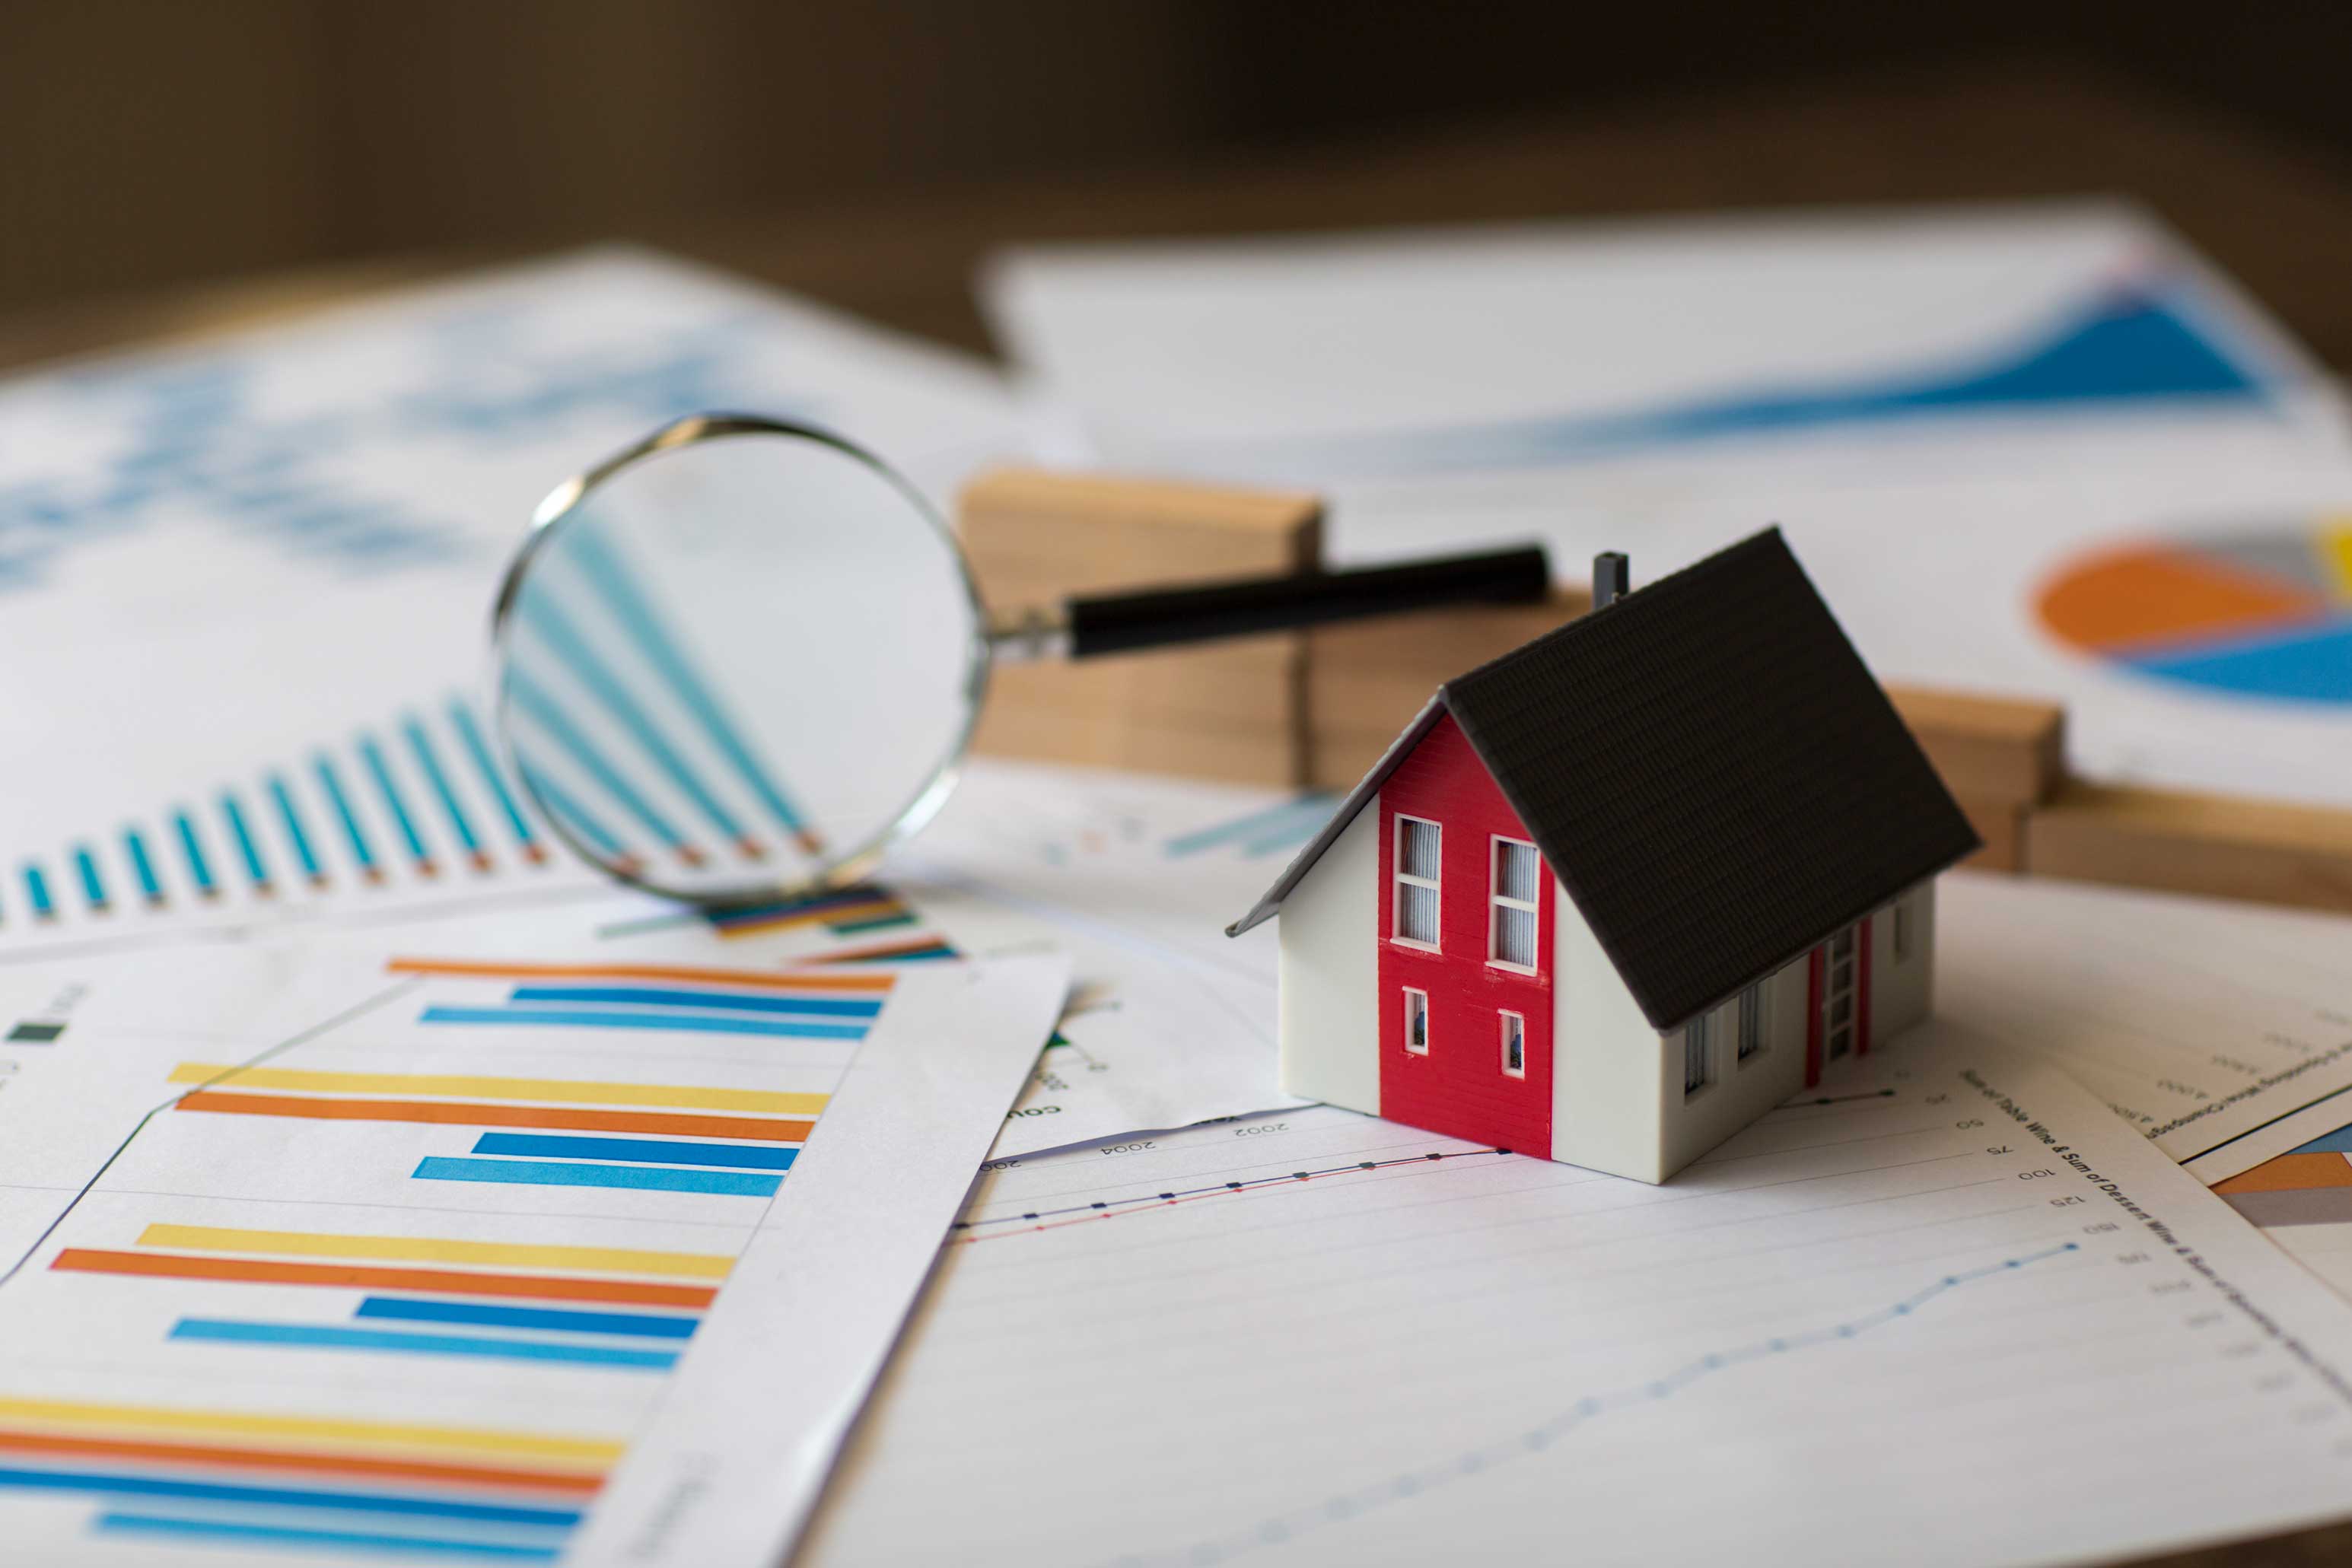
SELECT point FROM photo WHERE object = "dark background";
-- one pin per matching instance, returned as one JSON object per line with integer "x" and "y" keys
{"x": 154, "y": 142}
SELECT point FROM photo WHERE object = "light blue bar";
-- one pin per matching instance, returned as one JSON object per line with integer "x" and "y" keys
{"x": 550, "y": 716}
{"x": 295, "y": 833}
{"x": 554, "y": 1173}
{"x": 1255, "y": 827}
{"x": 618, "y": 589}
{"x": 380, "y": 769}
{"x": 553, "y": 628}
{"x": 199, "y": 868}
{"x": 2338, "y": 1141}
{"x": 646, "y": 1325}
{"x": 370, "y": 1543}
{"x": 420, "y": 746}
{"x": 641, "y": 1151}
{"x": 36, "y": 890}
{"x": 245, "y": 848}
{"x": 134, "y": 844}
{"x": 308, "y": 1336}
{"x": 86, "y": 867}
{"x": 589, "y": 1017}
{"x": 581, "y": 820}
{"x": 470, "y": 734}
{"x": 723, "y": 1001}
{"x": 125, "y": 1484}
{"x": 325, "y": 767}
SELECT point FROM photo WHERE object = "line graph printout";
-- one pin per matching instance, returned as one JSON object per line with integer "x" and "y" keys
{"x": 1950, "y": 1303}
{"x": 248, "y": 582}
{"x": 2221, "y": 1030}
{"x": 437, "y": 1261}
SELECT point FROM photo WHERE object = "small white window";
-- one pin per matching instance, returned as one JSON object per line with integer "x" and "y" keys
{"x": 1416, "y": 1021}
{"x": 1515, "y": 1046}
{"x": 1751, "y": 1020}
{"x": 1511, "y": 939}
{"x": 1416, "y": 883}
{"x": 1902, "y": 931}
{"x": 1697, "y": 1054}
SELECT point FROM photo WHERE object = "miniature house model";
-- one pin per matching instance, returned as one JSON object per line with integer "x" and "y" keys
{"x": 1615, "y": 894}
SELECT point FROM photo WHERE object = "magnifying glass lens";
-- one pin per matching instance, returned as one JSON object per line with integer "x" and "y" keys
{"x": 737, "y": 662}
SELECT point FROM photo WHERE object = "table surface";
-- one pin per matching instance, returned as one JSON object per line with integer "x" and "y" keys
{"x": 2277, "y": 216}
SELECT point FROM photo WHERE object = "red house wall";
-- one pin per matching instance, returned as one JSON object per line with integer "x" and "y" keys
{"x": 1459, "y": 1087}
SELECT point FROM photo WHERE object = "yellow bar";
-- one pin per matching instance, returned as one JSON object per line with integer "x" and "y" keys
{"x": 558, "y": 1091}
{"x": 154, "y": 1417}
{"x": 2335, "y": 548}
{"x": 433, "y": 1249}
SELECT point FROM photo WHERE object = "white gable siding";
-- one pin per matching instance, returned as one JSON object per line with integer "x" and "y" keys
{"x": 1901, "y": 993}
{"x": 1604, "y": 1086}
{"x": 1331, "y": 972}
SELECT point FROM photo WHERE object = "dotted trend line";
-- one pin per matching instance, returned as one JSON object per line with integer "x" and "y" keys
{"x": 1284, "y": 1528}
{"x": 1052, "y": 1218}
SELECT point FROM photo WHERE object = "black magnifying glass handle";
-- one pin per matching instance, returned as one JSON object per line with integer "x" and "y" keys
{"x": 1161, "y": 618}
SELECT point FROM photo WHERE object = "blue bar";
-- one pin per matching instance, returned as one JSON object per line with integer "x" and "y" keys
{"x": 85, "y": 866}
{"x": 117, "y": 1484}
{"x": 325, "y": 767}
{"x": 582, "y": 821}
{"x": 37, "y": 889}
{"x": 548, "y": 1173}
{"x": 2338, "y": 1141}
{"x": 225, "y": 1531}
{"x": 420, "y": 746}
{"x": 645, "y": 1151}
{"x": 726, "y": 1001}
{"x": 245, "y": 848}
{"x": 539, "y": 612}
{"x": 308, "y": 1336}
{"x": 380, "y": 771}
{"x": 683, "y": 1022}
{"x": 471, "y": 733}
{"x": 618, "y": 589}
{"x": 647, "y": 1325}
{"x": 295, "y": 833}
{"x": 200, "y": 870}
{"x": 549, "y": 715}
{"x": 1258, "y": 826}
{"x": 134, "y": 844}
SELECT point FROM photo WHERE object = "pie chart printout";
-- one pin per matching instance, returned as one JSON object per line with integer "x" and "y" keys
{"x": 2252, "y": 616}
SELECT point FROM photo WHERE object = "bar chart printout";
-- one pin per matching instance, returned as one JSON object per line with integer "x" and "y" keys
{"x": 1949, "y": 1303}
{"x": 434, "y": 1261}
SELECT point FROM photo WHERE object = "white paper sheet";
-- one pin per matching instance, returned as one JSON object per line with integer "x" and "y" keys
{"x": 1960, "y": 1314}
{"x": 2208, "y": 1025}
{"x": 266, "y": 563}
{"x": 416, "y": 1283}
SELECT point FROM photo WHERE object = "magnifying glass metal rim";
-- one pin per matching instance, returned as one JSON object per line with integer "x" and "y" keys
{"x": 562, "y": 506}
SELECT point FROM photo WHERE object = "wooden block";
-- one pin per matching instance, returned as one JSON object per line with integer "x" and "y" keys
{"x": 1229, "y": 710}
{"x": 2184, "y": 843}
{"x": 2002, "y": 826}
{"x": 1988, "y": 749}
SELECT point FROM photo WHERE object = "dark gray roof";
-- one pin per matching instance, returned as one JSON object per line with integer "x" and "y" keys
{"x": 1710, "y": 770}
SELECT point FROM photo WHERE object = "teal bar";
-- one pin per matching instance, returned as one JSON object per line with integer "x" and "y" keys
{"x": 461, "y": 718}
{"x": 247, "y": 851}
{"x": 420, "y": 746}
{"x": 296, "y": 834}
{"x": 134, "y": 844}
{"x": 306, "y": 1336}
{"x": 564, "y": 1173}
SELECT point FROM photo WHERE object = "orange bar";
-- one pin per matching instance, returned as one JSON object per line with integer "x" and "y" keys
{"x": 764, "y": 1129}
{"x": 280, "y": 1459}
{"x": 639, "y": 972}
{"x": 361, "y": 1277}
{"x": 2292, "y": 1173}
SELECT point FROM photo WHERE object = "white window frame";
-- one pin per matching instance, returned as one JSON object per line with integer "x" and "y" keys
{"x": 1532, "y": 908}
{"x": 1699, "y": 1035}
{"x": 1413, "y": 994}
{"x": 1747, "y": 1025}
{"x": 1901, "y": 919}
{"x": 1504, "y": 1019}
{"x": 1402, "y": 880}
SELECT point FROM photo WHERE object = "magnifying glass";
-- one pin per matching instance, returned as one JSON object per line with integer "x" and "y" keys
{"x": 738, "y": 662}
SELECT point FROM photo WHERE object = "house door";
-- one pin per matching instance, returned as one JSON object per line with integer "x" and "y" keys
{"x": 1840, "y": 1025}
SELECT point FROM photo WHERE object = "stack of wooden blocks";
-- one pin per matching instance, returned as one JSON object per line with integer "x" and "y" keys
{"x": 1314, "y": 710}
